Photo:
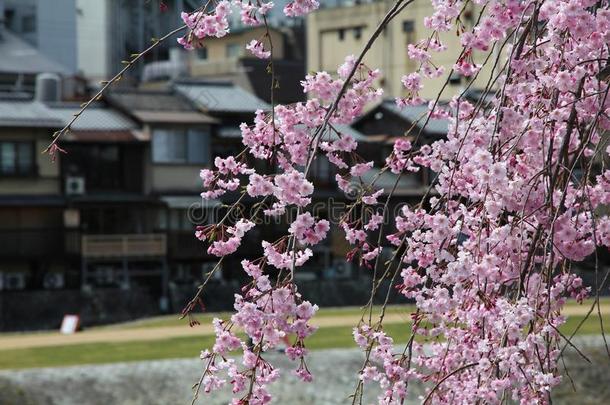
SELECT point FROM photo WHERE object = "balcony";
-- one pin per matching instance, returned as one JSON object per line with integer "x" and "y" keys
{"x": 123, "y": 246}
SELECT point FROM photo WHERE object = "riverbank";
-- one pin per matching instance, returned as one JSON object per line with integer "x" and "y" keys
{"x": 166, "y": 382}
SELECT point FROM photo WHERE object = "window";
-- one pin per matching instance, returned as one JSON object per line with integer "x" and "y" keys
{"x": 322, "y": 170}
{"x": 16, "y": 158}
{"x": 234, "y": 50}
{"x": 341, "y": 34}
{"x": 455, "y": 79}
{"x": 186, "y": 146}
{"x": 202, "y": 53}
{"x": 104, "y": 167}
{"x": 179, "y": 220}
{"x": 357, "y": 32}
{"x": 408, "y": 26}
{"x": 28, "y": 24}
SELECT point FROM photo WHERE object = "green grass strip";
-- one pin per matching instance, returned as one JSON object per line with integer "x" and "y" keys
{"x": 189, "y": 347}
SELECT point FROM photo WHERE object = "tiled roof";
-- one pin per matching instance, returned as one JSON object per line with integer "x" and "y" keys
{"x": 158, "y": 107}
{"x": 17, "y": 56}
{"x": 146, "y": 100}
{"x": 480, "y": 95}
{"x": 19, "y": 113}
{"x": 95, "y": 117}
{"x": 407, "y": 185}
{"x": 189, "y": 201}
{"x": 221, "y": 97}
{"x": 348, "y": 130}
{"x": 173, "y": 117}
{"x": 104, "y": 136}
{"x": 229, "y": 131}
{"x": 417, "y": 114}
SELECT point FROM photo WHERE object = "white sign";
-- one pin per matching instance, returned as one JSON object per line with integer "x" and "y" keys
{"x": 70, "y": 324}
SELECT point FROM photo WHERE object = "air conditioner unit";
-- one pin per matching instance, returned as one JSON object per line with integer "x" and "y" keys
{"x": 13, "y": 281}
{"x": 53, "y": 281}
{"x": 75, "y": 185}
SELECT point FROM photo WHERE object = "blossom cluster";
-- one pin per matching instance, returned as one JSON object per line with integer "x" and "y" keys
{"x": 215, "y": 23}
{"x": 288, "y": 136}
{"x": 509, "y": 211}
{"x": 202, "y": 24}
{"x": 268, "y": 315}
{"x": 486, "y": 257}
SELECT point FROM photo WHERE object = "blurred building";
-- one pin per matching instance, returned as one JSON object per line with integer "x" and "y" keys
{"x": 21, "y": 63}
{"x": 333, "y": 32}
{"x": 115, "y": 207}
{"x": 109, "y": 31}
{"x": 226, "y": 59}
{"x": 49, "y": 26}
{"x": 119, "y": 208}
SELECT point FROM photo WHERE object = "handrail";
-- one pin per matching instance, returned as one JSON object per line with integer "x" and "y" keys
{"x": 123, "y": 245}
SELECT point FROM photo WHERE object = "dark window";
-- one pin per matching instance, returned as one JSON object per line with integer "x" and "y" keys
{"x": 202, "y": 53}
{"x": 234, "y": 50}
{"x": 185, "y": 219}
{"x": 358, "y": 32}
{"x": 455, "y": 78}
{"x": 341, "y": 34}
{"x": 322, "y": 170}
{"x": 100, "y": 165}
{"x": 181, "y": 146}
{"x": 28, "y": 24}
{"x": 408, "y": 26}
{"x": 16, "y": 158}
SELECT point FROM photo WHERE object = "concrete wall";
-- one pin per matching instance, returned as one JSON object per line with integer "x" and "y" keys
{"x": 22, "y": 310}
{"x": 92, "y": 25}
{"x": 49, "y": 25}
{"x": 325, "y": 293}
{"x": 163, "y": 178}
{"x": 172, "y": 178}
{"x": 57, "y": 38}
{"x": 31, "y": 310}
{"x": 219, "y": 63}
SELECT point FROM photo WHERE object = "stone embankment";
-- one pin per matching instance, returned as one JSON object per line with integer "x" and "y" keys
{"x": 169, "y": 381}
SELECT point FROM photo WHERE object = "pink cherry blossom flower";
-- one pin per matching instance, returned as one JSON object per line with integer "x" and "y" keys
{"x": 258, "y": 50}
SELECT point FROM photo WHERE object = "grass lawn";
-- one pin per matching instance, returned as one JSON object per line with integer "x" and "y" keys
{"x": 174, "y": 320}
{"x": 188, "y": 347}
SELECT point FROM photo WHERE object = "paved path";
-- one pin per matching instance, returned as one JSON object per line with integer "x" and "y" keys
{"x": 106, "y": 335}
{"x": 21, "y": 341}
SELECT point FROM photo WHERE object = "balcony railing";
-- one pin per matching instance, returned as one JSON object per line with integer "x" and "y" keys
{"x": 123, "y": 245}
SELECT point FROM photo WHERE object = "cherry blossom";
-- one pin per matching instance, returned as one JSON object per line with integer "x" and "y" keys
{"x": 258, "y": 50}
{"x": 486, "y": 256}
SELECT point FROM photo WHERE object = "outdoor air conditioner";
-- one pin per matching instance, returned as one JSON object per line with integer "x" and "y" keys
{"x": 13, "y": 281}
{"x": 75, "y": 185}
{"x": 53, "y": 281}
